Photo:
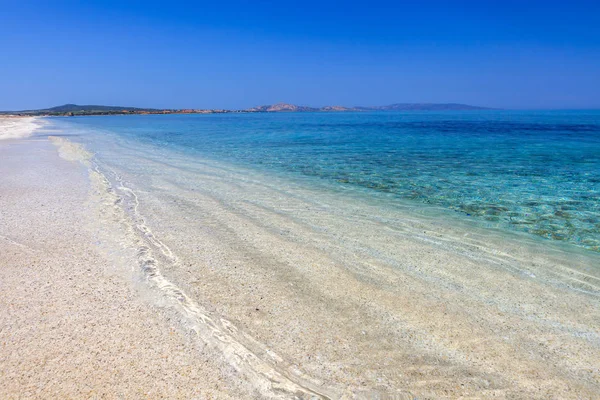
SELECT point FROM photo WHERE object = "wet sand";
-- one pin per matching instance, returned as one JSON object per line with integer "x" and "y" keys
{"x": 72, "y": 324}
{"x": 157, "y": 275}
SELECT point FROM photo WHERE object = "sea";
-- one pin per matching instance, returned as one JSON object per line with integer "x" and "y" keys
{"x": 531, "y": 172}
{"x": 364, "y": 255}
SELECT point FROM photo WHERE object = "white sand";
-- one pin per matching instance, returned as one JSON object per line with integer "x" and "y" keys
{"x": 18, "y": 127}
{"x": 72, "y": 324}
{"x": 208, "y": 281}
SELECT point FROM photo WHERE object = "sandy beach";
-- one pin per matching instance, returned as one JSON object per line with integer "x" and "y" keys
{"x": 71, "y": 323}
{"x": 18, "y": 127}
{"x": 209, "y": 281}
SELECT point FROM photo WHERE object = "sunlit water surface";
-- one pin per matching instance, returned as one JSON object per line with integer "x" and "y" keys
{"x": 534, "y": 172}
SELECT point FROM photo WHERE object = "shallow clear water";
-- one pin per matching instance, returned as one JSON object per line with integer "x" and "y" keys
{"x": 537, "y": 172}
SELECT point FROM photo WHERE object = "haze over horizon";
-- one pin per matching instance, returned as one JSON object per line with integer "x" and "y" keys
{"x": 236, "y": 56}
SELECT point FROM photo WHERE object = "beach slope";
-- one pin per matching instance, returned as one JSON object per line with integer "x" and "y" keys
{"x": 144, "y": 273}
{"x": 71, "y": 323}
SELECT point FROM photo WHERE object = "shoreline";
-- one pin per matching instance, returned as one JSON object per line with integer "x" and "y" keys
{"x": 247, "y": 238}
{"x": 314, "y": 287}
{"x": 70, "y": 110}
{"x": 73, "y": 324}
{"x": 18, "y": 127}
{"x": 411, "y": 209}
{"x": 557, "y": 210}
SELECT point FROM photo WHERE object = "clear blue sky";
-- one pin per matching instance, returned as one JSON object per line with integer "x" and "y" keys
{"x": 230, "y": 54}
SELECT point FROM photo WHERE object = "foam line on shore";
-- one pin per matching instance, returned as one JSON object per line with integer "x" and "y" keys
{"x": 19, "y": 127}
{"x": 270, "y": 374}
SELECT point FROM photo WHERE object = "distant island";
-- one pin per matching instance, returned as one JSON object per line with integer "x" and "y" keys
{"x": 78, "y": 110}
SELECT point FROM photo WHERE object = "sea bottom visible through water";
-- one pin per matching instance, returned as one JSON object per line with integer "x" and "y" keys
{"x": 311, "y": 286}
{"x": 534, "y": 172}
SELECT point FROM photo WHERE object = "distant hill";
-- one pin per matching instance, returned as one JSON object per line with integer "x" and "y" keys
{"x": 281, "y": 107}
{"x": 284, "y": 107}
{"x": 76, "y": 108}
{"x": 79, "y": 110}
{"x": 424, "y": 107}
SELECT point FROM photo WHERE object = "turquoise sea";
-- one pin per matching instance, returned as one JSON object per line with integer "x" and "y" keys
{"x": 528, "y": 171}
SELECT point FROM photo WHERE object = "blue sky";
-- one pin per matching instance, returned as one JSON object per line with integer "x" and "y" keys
{"x": 509, "y": 54}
